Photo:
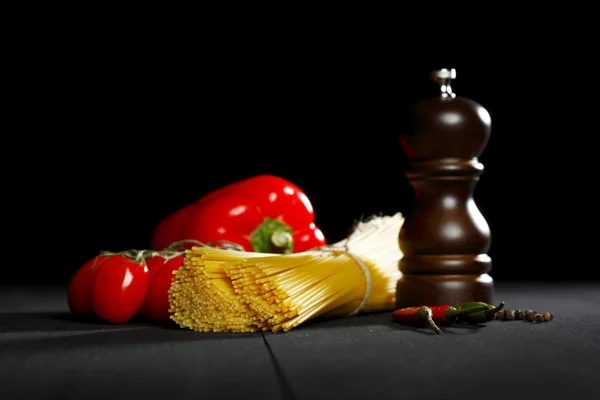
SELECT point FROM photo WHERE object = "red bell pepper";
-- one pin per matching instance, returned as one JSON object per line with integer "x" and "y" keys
{"x": 264, "y": 213}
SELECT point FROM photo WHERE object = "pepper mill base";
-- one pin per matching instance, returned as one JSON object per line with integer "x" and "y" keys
{"x": 430, "y": 290}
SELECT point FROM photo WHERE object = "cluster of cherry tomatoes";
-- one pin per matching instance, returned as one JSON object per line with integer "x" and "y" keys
{"x": 118, "y": 287}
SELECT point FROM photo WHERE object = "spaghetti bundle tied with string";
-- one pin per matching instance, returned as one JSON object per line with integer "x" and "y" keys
{"x": 220, "y": 290}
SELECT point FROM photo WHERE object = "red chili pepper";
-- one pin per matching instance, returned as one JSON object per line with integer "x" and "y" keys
{"x": 421, "y": 315}
{"x": 433, "y": 315}
{"x": 443, "y": 314}
{"x": 264, "y": 213}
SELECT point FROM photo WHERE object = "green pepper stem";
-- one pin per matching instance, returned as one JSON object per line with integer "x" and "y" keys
{"x": 281, "y": 241}
{"x": 433, "y": 326}
{"x": 425, "y": 314}
{"x": 496, "y": 309}
{"x": 272, "y": 236}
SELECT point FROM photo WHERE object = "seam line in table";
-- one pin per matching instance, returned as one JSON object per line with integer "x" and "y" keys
{"x": 284, "y": 384}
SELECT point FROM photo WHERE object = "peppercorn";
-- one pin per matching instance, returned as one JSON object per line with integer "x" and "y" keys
{"x": 530, "y": 315}
{"x": 539, "y": 318}
{"x": 509, "y": 315}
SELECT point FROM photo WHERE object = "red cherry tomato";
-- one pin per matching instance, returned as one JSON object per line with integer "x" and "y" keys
{"x": 157, "y": 300}
{"x": 120, "y": 288}
{"x": 308, "y": 239}
{"x": 154, "y": 263}
{"x": 79, "y": 292}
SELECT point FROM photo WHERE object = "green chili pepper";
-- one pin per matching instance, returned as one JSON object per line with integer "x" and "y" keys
{"x": 479, "y": 317}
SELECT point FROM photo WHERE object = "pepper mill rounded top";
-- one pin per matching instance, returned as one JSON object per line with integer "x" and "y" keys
{"x": 447, "y": 126}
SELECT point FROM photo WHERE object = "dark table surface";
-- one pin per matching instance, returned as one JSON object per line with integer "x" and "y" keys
{"x": 47, "y": 354}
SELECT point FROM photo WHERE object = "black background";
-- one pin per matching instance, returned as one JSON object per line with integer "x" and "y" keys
{"x": 112, "y": 134}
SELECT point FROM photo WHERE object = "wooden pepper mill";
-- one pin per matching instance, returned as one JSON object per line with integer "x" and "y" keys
{"x": 445, "y": 237}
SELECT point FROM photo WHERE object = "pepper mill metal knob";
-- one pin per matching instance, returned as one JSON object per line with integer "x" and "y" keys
{"x": 444, "y": 78}
{"x": 445, "y": 238}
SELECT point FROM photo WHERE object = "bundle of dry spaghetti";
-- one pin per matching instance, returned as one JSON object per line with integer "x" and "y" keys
{"x": 220, "y": 290}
